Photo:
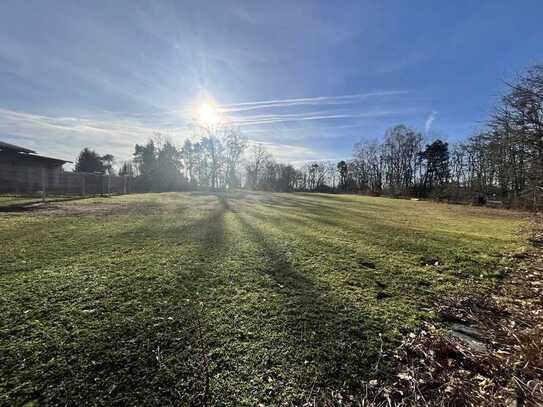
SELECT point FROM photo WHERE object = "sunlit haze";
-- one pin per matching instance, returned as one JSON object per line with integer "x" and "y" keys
{"x": 271, "y": 203}
{"x": 307, "y": 79}
{"x": 208, "y": 115}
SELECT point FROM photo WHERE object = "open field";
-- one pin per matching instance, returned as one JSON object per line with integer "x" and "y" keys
{"x": 232, "y": 299}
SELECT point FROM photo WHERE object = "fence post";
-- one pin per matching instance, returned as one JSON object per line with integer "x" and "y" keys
{"x": 17, "y": 187}
{"x": 83, "y": 186}
{"x": 43, "y": 184}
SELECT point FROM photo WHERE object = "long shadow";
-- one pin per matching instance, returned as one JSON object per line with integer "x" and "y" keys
{"x": 328, "y": 215}
{"x": 207, "y": 229}
{"x": 129, "y": 340}
{"x": 225, "y": 194}
{"x": 313, "y": 206}
{"x": 462, "y": 253}
{"x": 139, "y": 333}
{"x": 339, "y": 340}
{"x": 181, "y": 302}
{"x": 454, "y": 252}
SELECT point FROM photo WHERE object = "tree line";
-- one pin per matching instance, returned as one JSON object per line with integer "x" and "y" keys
{"x": 503, "y": 161}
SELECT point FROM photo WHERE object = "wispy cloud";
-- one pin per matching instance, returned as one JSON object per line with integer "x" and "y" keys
{"x": 301, "y": 117}
{"x": 429, "y": 121}
{"x": 341, "y": 109}
{"x": 287, "y": 152}
{"x": 318, "y": 100}
{"x": 284, "y": 133}
{"x": 64, "y": 137}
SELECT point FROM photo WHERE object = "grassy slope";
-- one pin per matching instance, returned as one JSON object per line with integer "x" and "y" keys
{"x": 182, "y": 297}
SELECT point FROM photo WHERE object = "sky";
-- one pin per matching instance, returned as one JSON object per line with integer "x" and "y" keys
{"x": 306, "y": 79}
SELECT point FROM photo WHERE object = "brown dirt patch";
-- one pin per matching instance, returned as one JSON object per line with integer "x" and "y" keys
{"x": 73, "y": 208}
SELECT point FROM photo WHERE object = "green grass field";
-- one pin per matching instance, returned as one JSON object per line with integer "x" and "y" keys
{"x": 240, "y": 299}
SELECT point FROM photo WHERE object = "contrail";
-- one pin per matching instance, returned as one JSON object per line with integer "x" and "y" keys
{"x": 306, "y": 117}
{"x": 318, "y": 100}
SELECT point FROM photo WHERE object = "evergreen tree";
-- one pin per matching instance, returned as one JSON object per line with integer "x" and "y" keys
{"x": 89, "y": 161}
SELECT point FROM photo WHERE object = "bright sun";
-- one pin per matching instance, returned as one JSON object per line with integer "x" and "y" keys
{"x": 208, "y": 115}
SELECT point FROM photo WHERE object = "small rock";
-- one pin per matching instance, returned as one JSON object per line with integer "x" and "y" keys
{"x": 471, "y": 336}
{"x": 367, "y": 264}
{"x": 381, "y": 295}
{"x": 429, "y": 261}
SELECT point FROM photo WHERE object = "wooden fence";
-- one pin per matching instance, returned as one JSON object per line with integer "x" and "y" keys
{"x": 67, "y": 183}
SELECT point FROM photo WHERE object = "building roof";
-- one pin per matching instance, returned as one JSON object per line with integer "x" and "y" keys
{"x": 13, "y": 147}
{"x": 50, "y": 159}
{"x": 26, "y": 153}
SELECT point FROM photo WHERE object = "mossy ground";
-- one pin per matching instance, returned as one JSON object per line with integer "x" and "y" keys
{"x": 238, "y": 299}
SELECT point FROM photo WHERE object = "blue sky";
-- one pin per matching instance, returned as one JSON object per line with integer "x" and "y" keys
{"x": 306, "y": 78}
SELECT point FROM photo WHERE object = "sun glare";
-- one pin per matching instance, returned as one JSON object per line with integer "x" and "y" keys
{"x": 208, "y": 115}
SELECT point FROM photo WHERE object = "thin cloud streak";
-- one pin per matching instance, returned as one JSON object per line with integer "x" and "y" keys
{"x": 305, "y": 117}
{"x": 288, "y": 104}
{"x": 117, "y": 133}
{"x": 319, "y": 100}
{"x": 286, "y": 152}
{"x": 189, "y": 111}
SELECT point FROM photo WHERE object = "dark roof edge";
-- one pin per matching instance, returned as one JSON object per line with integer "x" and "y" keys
{"x": 27, "y": 152}
{"x": 25, "y": 156}
{"x": 13, "y": 147}
{"x": 49, "y": 158}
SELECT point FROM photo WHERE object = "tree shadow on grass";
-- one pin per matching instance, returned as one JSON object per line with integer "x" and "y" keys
{"x": 332, "y": 343}
{"x": 124, "y": 336}
{"x": 408, "y": 239}
{"x": 207, "y": 229}
{"x": 173, "y": 334}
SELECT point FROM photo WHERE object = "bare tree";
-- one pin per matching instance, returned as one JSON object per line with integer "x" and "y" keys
{"x": 254, "y": 168}
{"x": 236, "y": 144}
